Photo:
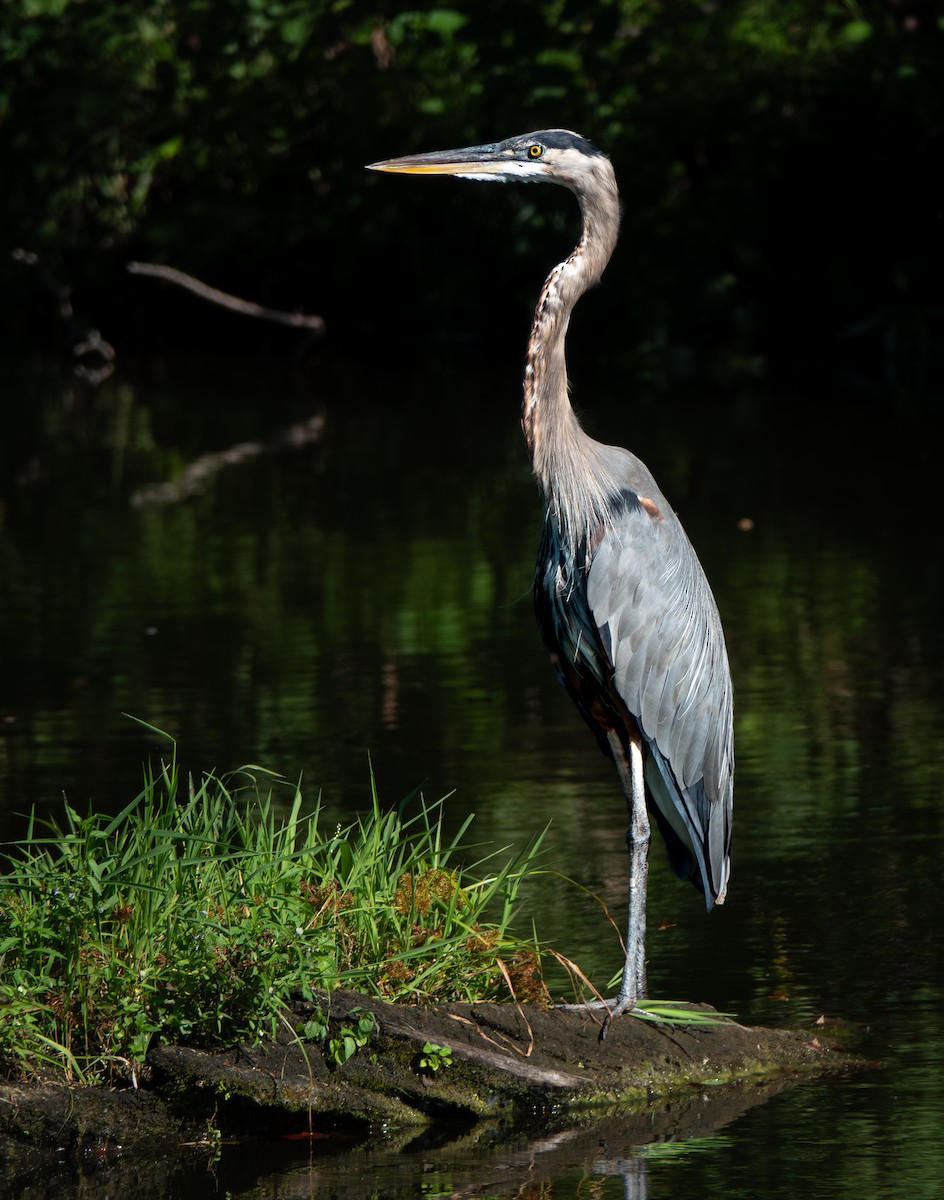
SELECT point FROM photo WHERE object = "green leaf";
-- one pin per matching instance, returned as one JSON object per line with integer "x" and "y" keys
{"x": 857, "y": 31}
{"x": 445, "y": 21}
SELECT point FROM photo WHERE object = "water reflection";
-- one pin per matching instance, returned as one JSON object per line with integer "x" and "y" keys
{"x": 624, "y": 1156}
{"x": 366, "y": 588}
{"x": 195, "y": 476}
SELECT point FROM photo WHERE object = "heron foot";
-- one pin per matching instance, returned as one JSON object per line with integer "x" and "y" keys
{"x": 614, "y": 1008}
{"x": 622, "y": 1004}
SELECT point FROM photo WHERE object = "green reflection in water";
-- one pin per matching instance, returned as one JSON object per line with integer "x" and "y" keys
{"x": 301, "y": 570}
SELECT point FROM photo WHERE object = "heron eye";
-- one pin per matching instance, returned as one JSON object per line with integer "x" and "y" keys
{"x": 536, "y": 150}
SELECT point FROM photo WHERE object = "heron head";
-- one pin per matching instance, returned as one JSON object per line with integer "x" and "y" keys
{"x": 549, "y": 155}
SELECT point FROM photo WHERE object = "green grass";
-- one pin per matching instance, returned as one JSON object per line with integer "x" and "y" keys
{"x": 197, "y": 913}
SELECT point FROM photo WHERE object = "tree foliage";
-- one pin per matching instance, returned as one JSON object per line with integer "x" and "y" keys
{"x": 760, "y": 143}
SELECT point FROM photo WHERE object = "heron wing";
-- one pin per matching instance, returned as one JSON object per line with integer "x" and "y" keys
{"x": 659, "y": 625}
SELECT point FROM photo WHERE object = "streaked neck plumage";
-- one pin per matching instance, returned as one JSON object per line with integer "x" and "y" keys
{"x": 575, "y": 479}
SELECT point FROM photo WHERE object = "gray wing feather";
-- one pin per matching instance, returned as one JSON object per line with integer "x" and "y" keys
{"x": 653, "y": 606}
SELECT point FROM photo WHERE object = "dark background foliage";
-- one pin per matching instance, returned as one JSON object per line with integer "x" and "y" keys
{"x": 776, "y": 157}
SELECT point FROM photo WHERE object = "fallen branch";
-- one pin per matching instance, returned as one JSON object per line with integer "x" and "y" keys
{"x": 247, "y": 307}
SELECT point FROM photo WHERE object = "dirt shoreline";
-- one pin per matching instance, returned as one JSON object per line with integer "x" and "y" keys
{"x": 519, "y": 1064}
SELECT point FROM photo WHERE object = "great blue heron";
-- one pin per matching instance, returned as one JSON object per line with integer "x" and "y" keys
{"x": 622, "y": 601}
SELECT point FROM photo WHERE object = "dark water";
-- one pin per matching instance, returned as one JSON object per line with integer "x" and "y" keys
{"x": 299, "y": 570}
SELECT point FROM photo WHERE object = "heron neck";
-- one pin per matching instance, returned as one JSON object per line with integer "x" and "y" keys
{"x": 567, "y": 462}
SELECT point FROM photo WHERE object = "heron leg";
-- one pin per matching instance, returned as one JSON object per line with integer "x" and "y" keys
{"x": 629, "y": 763}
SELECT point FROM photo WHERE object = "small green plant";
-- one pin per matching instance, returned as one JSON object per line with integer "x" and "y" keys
{"x": 352, "y": 1038}
{"x": 315, "y": 1029}
{"x": 433, "y": 1057}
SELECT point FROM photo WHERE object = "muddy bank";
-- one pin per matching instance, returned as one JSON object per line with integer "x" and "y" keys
{"x": 525, "y": 1067}
{"x": 505, "y": 1059}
